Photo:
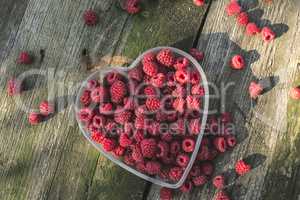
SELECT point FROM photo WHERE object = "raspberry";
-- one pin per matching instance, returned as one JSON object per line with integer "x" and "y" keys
{"x": 141, "y": 167}
{"x": 150, "y": 68}
{"x": 186, "y": 187}
{"x": 129, "y": 103}
{"x": 97, "y": 136}
{"x": 112, "y": 77}
{"x": 242, "y": 168}
{"x": 181, "y": 63}
{"x": 98, "y": 94}
{"x": 98, "y": 121}
{"x": 207, "y": 168}
{"x": 90, "y": 17}
{"x": 136, "y": 74}
{"x": 46, "y": 108}
{"x": 153, "y": 104}
{"x": 150, "y": 91}
{"x": 124, "y": 140}
{"x": 219, "y": 182}
{"x": 198, "y": 90}
{"x": 13, "y": 87}
{"x": 295, "y": 93}
{"x": 138, "y": 136}
{"x": 24, "y": 58}
{"x": 197, "y": 54}
{"x": 226, "y": 117}
{"x": 267, "y": 34}
{"x": 243, "y": 19}
{"x": 220, "y": 144}
{"x": 137, "y": 154}
{"x": 195, "y": 77}
{"x": 165, "y": 57}
{"x": 148, "y": 147}
{"x": 132, "y": 6}
{"x": 123, "y": 117}
{"x": 175, "y": 173}
{"x": 105, "y": 108}
{"x": 119, "y": 151}
{"x": 158, "y": 80}
{"x": 181, "y": 76}
{"x": 255, "y": 89}
{"x": 192, "y": 103}
{"x": 175, "y": 147}
{"x": 140, "y": 110}
{"x": 237, "y": 62}
{"x": 195, "y": 171}
{"x": 179, "y": 91}
{"x": 231, "y": 141}
{"x": 153, "y": 167}
{"x": 199, "y": 180}
{"x": 195, "y": 126}
{"x": 149, "y": 57}
{"x": 221, "y": 195}
{"x": 34, "y": 118}
{"x": 252, "y": 29}
{"x": 91, "y": 84}
{"x": 110, "y": 125}
{"x": 139, "y": 122}
{"x": 118, "y": 91}
{"x": 165, "y": 194}
{"x": 183, "y": 160}
{"x": 162, "y": 149}
{"x": 188, "y": 145}
{"x": 179, "y": 105}
{"x": 85, "y": 115}
{"x": 233, "y": 8}
{"x": 166, "y": 137}
{"x": 108, "y": 144}
{"x": 129, "y": 160}
{"x": 85, "y": 98}
{"x": 199, "y": 2}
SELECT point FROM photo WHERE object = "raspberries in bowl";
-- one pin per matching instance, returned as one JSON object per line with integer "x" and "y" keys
{"x": 148, "y": 118}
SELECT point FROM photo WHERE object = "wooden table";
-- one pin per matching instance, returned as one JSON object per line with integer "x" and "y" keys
{"x": 53, "y": 160}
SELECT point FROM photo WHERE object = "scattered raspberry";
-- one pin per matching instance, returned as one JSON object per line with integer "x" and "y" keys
{"x": 252, "y": 29}
{"x": 221, "y": 195}
{"x": 46, "y": 108}
{"x": 267, "y": 34}
{"x": 105, "y": 108}
{"x": 181, "y": 63}
{"x": 181, "y": 76}
{"x": 186, "y": 187}
{"x": 220, "y": 144}
{"x": 183, "y": 160}
{"x": 124, "y": 140}
{"x": 165, "y": 194}
{"x": 158, "y": 80}
{"x": 255, "y": 89}
{"x": 34, "y": 118}
{"x": 85, "y": 115}
{"x": 243, "y": 19}
{"x": 199, "y": 180}
{"x": 90, "y": 17}
{"x": 242, "y": 168}
{"x": 237, "y": 62}
{"x": 118, "y": 91}
{"x": 295, "y": 93}
{"x": 150, "y": 68}
{"x": 149, "y": 148}
{"x": 179, "y": 105}
{"x": 85, "y": 98}
{"x": 135, "y": 74}
{"x": 153, "y": 104}
{"x": 219, "y": 182}
{"x": 13, "y": 87}
{"x": 175, "y": 173}
{"x": 108, "y": 144}
{"x": 149, "y": 57}
{"x": 199, "y": 2}
{"x": 24, "y": 58}
{"x": 123, "y": 117}
{"x": 197, "y": 54}
{"x": 231, "y": 141}
{"x": 188, "y": 145}
{"x": 153, "y": 167}
{"x": 233, "y": 8}
{"x": 207, "y": 168}
{"x": 132, "y": 6}
{"x": 166, "y": 57}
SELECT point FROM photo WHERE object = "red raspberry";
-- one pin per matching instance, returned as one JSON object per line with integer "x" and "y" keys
{"x": 219, "y": 182}
{"x": 112, "y": 77}
{"x": 124, "y": 140}
{"x": 179, "y": 91}
{"x": 153, "y": 167}
{"x": 237, "y": 62}
{"x": 255, "y": 89}
{"x": 129, "y": 103}
{"x": 165, "y": 194}
{"x": 188, "y": 145}
{"x": 167, "y": 137}
{"x": 197, "y": 54}
{"x": 158, "y": 80}
{"x": 46, "y": 108}
{"x": 165, "y": 57}
{"x": 34, "y": 118}
{"x": 118, "y": 91}
{"x": 132, "y": 6}
{"x": 231, "y": 141}
{"x": 149, "y": 148}
{"x": 138, "y": 136}
{"x": 97, "y": 136}
{"x": 181, "y": 76}
{"x": 90, "y": 17}
{"x": 141, "y": 167}
{"x": 192, "y": 103}
{"x": 150, "y": 91}
{"x": 195, "y": 77}
{"x": 136, "y": 74}
{"x": 267, "y": 34}
{"x": 153, "y": 104}
{"x": 24, "y": 58}
{"x": 140, "y": 110}
{"x": 150, "y": 68}
{"x": 110, "y": 125}
{"x": 295, "y": 93}
{"x": 195, "y": 171}
{"x": 98, "y": 94}
{"x": 149, "y": 57}
{"x": 13, "y": 87}
{"x": 119, "y": 151}
{"x": 242, "y": 168}
{"x": 198, "y": 90}
{"x": 85, "y": 115}
{"x": 243, "y": 19}
{"x": 162, "y": 149}
{"x": 137, "y": 154}
{"x": 123, "y": 117}
{"x": 179, "y": 105}
{"x": 175, "y": 173}
{"x": 252, "y": 29}
{"x": 220, "y": 144}
{"x": 199, "y": 180}
{"x": 181, "y": 63}
{"x": 195, "y": 126}
{"x": 207, "y": 168}
{"x": 139, "y": 122}
{"x": 98, "y": 121}
{"x": 182, "y": 160}
{"x": 108, "y": 144}
{"x": 175, "y": 147}
{"x": 105, "y": 108}
{"x": 221, "y": 195}
{"x": 85, "y": 98}
{"x": 129, "y": 160}
{"x": 233, "y": 8}
{"x": 91, "y": 84}
{"x": 186, "y": 187}
{"x": 199, "y": 2}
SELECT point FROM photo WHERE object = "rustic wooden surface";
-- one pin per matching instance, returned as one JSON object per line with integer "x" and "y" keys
{"x": 54, "y": 161}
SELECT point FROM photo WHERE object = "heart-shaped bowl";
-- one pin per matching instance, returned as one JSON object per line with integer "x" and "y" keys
{"x": 85, "y": 110}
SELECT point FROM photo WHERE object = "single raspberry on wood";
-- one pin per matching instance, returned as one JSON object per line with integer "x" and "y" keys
{"x": 132, "y": 6}
{"x": 158, "y": 80}
{"x": 24, "y": 58}
{"x": 165, "y": 194}
{"x": 233, "y": 8}
{"x": 255, "y": 89}
{"x": 188, "y": 145}
{"x": 242, "y": 168}
{"x": 199, "y": 180}
{"x": 181, "y": 76}
{"x": 153, "y": 103}
{"x": 153, "y": 167}
{"x": 34, "y": 118}
{"x": 149, "y": 148}
{"x": 243, "y": 19}
{"x": 175, "y": 173}
{"x": 186, "y": 187}
{"x": 165, "y": 57}
{"x": 221, "y": 195}
{"x": 150, "y": 68}
{"x": 118, "y": 91}
{"x": 181, "y": 63}
{"x": 252, "y": 29}
{"x": 268, "y": 34}
{"x": 237, "y": 62}
{"x": 220, "y": 144}
{"x": 199, "y": 2}
{"x": 295, "y": 93}
{"x": 197, "y": 54}
{"x": 46, "y": 108}
{"x": 219, "y": 182}
{"x": 14, "y": 87}
{"x": 182, "y": 160}
{"x": 108, "y": 144}
{"x": 90, "y": 17}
